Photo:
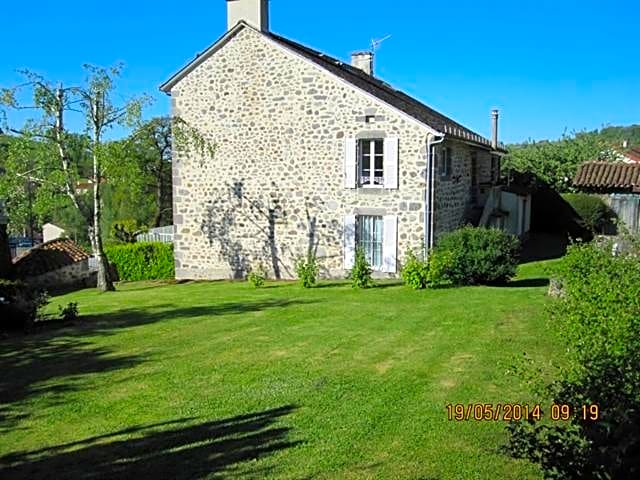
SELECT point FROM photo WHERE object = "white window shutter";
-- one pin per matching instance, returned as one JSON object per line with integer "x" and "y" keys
{"x": 350, "y": 162}
{"x": 391, "y": 162}
{"x": 349, "y": 241}
{"x": 390, "y": 244}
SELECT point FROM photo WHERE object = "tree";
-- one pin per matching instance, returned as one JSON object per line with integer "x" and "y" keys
{"x": 556, "y": 162}
{"x": 93, "y": 101}
{"x": 153, "y": 144}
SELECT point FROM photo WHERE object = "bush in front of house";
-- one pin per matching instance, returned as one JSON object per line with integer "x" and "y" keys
{"x": 307, "y": 270}
{"x": 142, "y": 261}
{"x": 595, "y": 213}
{"x": 20, "y": 305}
{"x": 257, "y": 276}
{"x": 476, "y": 256}
{"x": 598, "y": 319}
{"x": 415, "y": 271}
{"x": 360, "y": 274}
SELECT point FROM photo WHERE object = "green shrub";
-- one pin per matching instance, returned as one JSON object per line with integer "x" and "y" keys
{"x": 472, "y": 256}
{"x": 598, "y": 318}
{"x": 69, "y": 313}
{"x": 595, "y": 214}
{"x": 257, "y": 276}
{"x": 125, "y": 231}
{"x": 142, "y": 261}
{"x": 360, "y": 274}
{"x": 415, "y": 271}
{"x": 439, "y": 263}
{"x": 20, "y": 305}
{"x": 307, "y": 270}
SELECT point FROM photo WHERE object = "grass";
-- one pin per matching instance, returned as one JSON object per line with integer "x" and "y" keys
{"x": 219, "y": 380}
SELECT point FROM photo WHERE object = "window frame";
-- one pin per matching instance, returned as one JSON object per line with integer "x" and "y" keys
{"x": 376, "y": 246}
{"x": 446, "y": 162}
{"x": 372, "y": 159}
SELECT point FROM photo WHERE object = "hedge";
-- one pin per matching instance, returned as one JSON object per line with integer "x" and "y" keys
{"x": 595, "y": 213}
{"x": 142, "y": 261}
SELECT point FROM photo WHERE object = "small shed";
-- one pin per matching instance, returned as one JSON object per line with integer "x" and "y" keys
{"x": 57, "y": 265}
{"x": 619, "y": 186}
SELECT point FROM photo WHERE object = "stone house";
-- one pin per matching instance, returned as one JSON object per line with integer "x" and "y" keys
{"x": 56, "y": 266}
{"x": 312, "y": 154}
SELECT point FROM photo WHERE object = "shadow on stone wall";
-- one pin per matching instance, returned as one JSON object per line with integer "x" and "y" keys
{"x": 244, "y": 228}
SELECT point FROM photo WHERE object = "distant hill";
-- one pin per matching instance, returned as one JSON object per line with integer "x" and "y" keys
{"x": 616, "y": 135}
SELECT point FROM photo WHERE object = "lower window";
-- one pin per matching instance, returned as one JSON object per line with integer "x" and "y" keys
{"x": 369, "y": 238}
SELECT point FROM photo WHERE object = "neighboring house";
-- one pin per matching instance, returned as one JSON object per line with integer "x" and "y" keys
{"x": 618, "y": 183}
{"x": 57, "y": 265}
{"x": 52, "y": 232}
{"x": 632, "y": 155}
{"x": 312, "y": 154}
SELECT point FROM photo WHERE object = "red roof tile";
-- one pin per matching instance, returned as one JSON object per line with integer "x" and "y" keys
{"x": 608, "y": 176}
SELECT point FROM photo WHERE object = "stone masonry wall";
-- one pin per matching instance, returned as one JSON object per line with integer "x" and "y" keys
{"x": 275, "y": 186}
{"x": 76, "y": 275}
{"x": 453, "y": 194}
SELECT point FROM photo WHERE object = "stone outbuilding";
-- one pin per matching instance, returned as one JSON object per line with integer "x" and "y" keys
{"x": 618, "y": 184}
{"x": 312, "y": 155}
{"x": 56, "y": 266}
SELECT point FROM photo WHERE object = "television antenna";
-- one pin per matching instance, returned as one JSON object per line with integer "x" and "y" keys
{"x": 375, "y": 44}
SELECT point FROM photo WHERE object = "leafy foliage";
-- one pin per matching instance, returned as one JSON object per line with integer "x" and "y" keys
{"x": 472, "y": 256}
{"x": 142, "y": 261}
{"x": 556, "y": 162}
{"x": 415, "y": 271}
{"x": 360, "y": 274}
{"x": 598, "y": 317}
{"x": 595, "y": 213}
{"x": 68, "y": 313}
{"x": 257, "y": 276}
{"x": 125, "y": 231}
{"x": 20, "y": 305}
{"x": 307, "y": 270}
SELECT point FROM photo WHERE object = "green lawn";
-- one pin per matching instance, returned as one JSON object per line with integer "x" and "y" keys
{"x": 219, "y": 380}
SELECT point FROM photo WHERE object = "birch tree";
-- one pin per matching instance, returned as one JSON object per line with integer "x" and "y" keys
{"x": 94, "y": 102}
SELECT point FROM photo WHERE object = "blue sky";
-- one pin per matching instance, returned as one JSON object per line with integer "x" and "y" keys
{"x": 548, "y": 65}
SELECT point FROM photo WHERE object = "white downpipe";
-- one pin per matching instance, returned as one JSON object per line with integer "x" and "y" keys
{"x": 429, "y": 193}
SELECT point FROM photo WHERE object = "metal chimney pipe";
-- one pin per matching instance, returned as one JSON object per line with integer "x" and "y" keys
{"x": 494, "y": 128}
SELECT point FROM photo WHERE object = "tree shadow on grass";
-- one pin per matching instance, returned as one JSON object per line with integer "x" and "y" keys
{"x": 105, "y": 323}
{"x": 180, "y": 449}
{"x": 48, "y": 368}
{"x": 528, "y": 282}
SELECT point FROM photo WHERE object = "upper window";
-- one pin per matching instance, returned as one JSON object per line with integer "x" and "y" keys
{"x": 446, "y": 162}
{"x": 370, "y": 239}
{"x": 371, "y": 163}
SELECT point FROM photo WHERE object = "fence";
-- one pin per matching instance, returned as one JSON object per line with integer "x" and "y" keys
{"x": 627, "y": 208}
{"x": 160, "y": 234}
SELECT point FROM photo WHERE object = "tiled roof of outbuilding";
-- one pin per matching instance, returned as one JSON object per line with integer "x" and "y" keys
{"x": 48, "y": 257}
{"x": 608, "y": 176}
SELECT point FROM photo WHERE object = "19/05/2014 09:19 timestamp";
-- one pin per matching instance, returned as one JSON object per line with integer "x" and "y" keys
{"x": 507, "y": 412}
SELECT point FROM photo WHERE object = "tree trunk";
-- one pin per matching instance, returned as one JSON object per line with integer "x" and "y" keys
{"x": 159, "y": 195}
{"x": 6, "y": 265}
{"x": 105, "y": 284}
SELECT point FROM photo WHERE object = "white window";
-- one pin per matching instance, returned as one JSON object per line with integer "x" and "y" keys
{"x": 370, "y": 238}
{"x": 446, "y": 162}
{"x": 377, "y": 236}
{"x": 371, "y": 163}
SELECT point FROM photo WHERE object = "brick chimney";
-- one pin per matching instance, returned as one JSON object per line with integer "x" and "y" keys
{"x": 363, "y": 61}
{"x": 253, "y": 12}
